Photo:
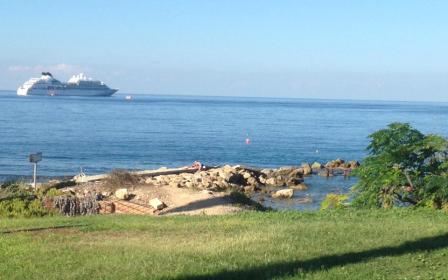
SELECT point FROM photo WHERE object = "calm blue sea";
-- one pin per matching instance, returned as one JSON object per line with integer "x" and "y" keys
{"x": 100, "y": 134}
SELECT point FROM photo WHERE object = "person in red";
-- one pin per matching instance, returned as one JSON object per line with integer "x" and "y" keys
{"x": 197, "y": 165}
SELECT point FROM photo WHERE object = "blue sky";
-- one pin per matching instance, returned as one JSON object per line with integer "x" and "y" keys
{"x": 386, "y": 50}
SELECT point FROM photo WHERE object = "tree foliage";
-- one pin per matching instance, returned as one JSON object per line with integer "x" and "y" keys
{"x": 403, "y": 167}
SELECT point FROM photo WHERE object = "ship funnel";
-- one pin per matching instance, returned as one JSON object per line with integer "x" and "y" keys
{"x": 47, "y": 74}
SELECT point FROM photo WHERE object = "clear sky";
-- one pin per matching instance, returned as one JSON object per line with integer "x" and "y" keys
{"x": 386, "y": 50}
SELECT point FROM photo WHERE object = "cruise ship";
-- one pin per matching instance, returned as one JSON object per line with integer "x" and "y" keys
{"x": 78, "y": 85}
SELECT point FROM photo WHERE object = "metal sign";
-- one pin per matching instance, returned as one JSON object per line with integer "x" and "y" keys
{"x": 35, "y": 158}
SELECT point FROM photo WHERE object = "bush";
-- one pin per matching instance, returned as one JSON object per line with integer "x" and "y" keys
{"x": 404, "y": 167}
{"x": 53, "y": 192}
{"x": 121, "y": 178}
{"x": 20, "y": 200}
{"x": 15, "y": 189}
{"x": 334, "y": 201}
{"x": 22, "y": 208}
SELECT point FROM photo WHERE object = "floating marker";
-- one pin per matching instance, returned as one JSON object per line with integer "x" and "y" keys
{"x": 247, "y": 141}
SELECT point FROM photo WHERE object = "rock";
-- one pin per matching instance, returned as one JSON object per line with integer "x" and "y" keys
{"x": 189, "y": 184}
{"x": 122, "y": 194}
{"x": 325, "y": 173}
{"x": 228, "y": 168}
{"x": 156, "y": 204}
{"x": 316, "y": 165}
{"x": 300, "y": 187}
{"x": 69, "y": 191}
{"x": 335, "y": 163}
{"x": 306, "y": 167}
{"x": 252, "y": 181}
{"x": 286, "y": 193}
{"x": 206, "y": 183}
{"x": 249, "y": 189}
{"x": 246, "y": 175}
{"x": 354, "y": 164}
{"x": 266, "y": 171}
{"x": 293, "y": 181}
{"x": 262, "y": 179}
{"x": 271, "y": 182}
{"x": 173, "y": 184}
{"x": 236, "y": 179}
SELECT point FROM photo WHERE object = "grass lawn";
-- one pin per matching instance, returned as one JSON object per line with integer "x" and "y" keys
{"x": 378, "y": 244}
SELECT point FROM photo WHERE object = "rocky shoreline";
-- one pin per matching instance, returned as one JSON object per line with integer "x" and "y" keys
{"x": 158, "y": 193}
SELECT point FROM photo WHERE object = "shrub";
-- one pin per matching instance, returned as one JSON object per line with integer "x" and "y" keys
{"x": 334, "y": 201}
{"x": 20, "y": 200}
{"x": 403, "y": 167}
{"x": 53, "y": 192}
{"x": 120, "y": 178}
{"x": 22, "y": 208}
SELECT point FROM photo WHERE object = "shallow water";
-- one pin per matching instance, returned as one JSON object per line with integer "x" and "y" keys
{"x": 318, "y": 188}
{"x": 100, "y": 134}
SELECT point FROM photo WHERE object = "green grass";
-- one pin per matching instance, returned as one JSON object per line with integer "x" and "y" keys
{"x": 396, "y": 244}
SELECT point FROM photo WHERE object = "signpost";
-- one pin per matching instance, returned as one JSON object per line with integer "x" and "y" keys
{"x": 34, "y": 159}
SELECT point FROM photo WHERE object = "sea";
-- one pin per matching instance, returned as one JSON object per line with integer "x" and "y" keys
{"x": 100, "y": 134}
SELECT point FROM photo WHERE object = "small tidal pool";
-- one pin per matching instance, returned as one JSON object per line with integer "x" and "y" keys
{"x": 318, "y": 188}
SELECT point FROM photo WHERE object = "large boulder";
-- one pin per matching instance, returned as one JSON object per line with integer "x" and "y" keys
{"x": 122, "y": 194}
{"x": 157, "y": 204}
{"x": 283, "y": 194}
{"x": 271, "y": 182}
{"x": 306, "y": 167}
{"x": 354, "y": 164}
{"x": 335, "y": 163}
{"x": 237, "y": 179}
{"x": 246, "y": 175}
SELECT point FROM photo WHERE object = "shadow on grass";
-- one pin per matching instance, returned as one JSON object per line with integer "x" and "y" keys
{"x": 230, "y": 199}
{"x": 41, "y": 228}
{"x": 326, "y": 262}
{"x": 200, "y": 204}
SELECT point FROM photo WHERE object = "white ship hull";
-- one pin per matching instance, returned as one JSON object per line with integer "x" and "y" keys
{"x": 66, "y": 92}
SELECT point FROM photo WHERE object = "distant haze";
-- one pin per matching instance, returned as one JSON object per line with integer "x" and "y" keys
{"x": 381, "y": 50}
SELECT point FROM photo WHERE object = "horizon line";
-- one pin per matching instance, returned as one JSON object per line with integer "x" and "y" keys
{"x": 272, "y": 97}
